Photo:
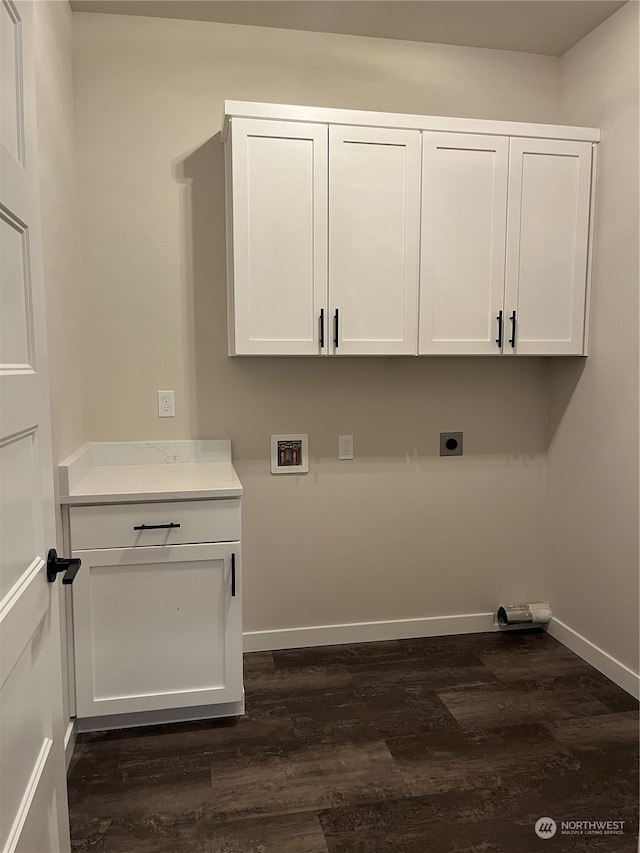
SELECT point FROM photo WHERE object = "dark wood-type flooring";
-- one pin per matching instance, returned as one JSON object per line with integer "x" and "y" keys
{"x": 441, "y": 744}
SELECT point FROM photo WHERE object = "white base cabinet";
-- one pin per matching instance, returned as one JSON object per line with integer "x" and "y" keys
{"x": 154, "y": 615}
{"x": 358, "y": 233}
{"x": 157, "y": 628}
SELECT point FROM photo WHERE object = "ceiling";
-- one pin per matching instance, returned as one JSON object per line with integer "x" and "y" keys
{"x": 533, "y": 26}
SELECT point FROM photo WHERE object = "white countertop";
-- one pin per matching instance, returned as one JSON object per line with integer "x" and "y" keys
{"x": 119, "y": 472}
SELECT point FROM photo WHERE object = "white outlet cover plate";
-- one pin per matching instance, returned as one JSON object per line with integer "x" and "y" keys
{"x": 303, "y": 465}
{"x": 166, "y": 404}
{"x": 345, "y": 447}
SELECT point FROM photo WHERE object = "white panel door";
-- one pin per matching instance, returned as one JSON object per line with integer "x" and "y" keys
{"x": 33, "y": 795}
{"x": 547, "y": 245}
{"x": 464, "y": 208}
{"x": 374, "y": 215}
{"x": 157, "y": 628}
{"x": 279, "y": 244}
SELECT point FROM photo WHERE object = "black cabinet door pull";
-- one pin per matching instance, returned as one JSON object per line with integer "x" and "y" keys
{"x": 322, "y": 328}
{"x": 156, "y": 526}
{"x": 499, "y": 338}
{"x": 512, "y": 339}
{"x": 233, "y": 575}
{"x": 336, "y": 321}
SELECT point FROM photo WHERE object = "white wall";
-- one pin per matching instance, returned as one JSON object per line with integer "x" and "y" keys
{"x": 60, "y": 242}
{"x": 591, "y": 575}
{"x": 398, "y": 532}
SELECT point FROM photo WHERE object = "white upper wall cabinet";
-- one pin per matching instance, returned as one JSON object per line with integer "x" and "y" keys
{"x": 547, "y": 246}
{"x": 374, "y": 215}
{"x": 360, "y": 233}
{"x": 464, "y": 210}
{"x": 278, "y": 250}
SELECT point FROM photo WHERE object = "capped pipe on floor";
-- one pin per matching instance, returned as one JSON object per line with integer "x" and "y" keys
{"x": 521, "y": 615}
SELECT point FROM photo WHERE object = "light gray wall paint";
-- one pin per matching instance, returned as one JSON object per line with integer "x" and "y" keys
{"x": 398, "y": 532}
{"x": 591, "y": 574}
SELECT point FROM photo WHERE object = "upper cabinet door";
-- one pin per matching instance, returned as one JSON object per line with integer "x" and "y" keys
{"x": 278, "y": 242}
{"x": 374, "y": 191}
{"x": 464, "y": 204}
{"x": 547, "y": 246}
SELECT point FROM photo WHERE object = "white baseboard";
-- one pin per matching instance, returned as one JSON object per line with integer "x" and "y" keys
{"x": 367, "y": 632}
{"x": 592, "y": 654}
{"x": 69, "y": 741}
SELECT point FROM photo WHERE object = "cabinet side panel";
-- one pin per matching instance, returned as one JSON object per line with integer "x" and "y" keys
{"x": 592, "y": 216}
{"x": 228, "y": 200}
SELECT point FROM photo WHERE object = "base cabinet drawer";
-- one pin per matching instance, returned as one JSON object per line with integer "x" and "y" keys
{"x": 165, "y": 523}
{"x": 157, "y": 628}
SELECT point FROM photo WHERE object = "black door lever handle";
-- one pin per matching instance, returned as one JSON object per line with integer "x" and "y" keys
{"x": 55, "y": 565}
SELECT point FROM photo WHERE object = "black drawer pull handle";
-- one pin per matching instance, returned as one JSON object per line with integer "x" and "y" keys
{"x": 156, "y": 526}
{"x": 499, "y": 338}
{"x": 512, "y": 339}
{"x": 233, "y": 575}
